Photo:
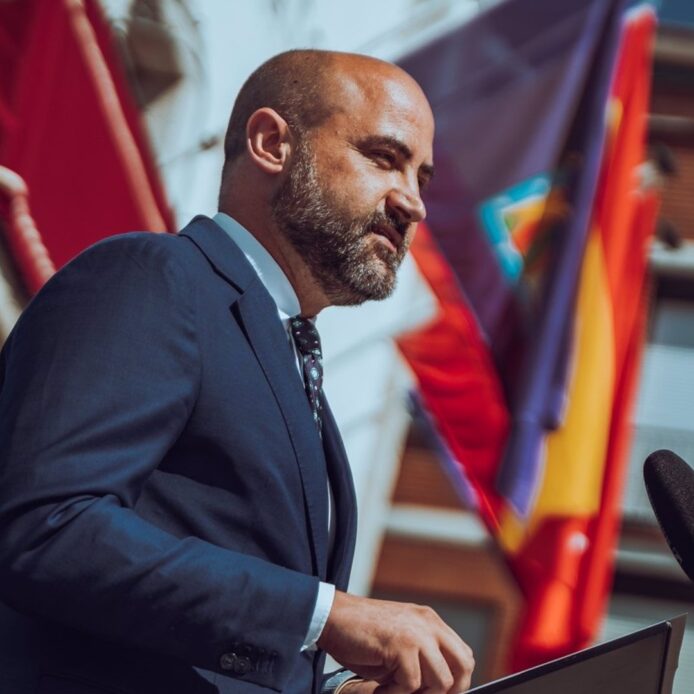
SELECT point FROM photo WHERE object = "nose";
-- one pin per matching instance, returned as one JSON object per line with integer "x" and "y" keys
{"x": 407, "y": 205}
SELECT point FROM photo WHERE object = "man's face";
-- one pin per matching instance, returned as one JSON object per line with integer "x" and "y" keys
{"x": 351, "y": 199}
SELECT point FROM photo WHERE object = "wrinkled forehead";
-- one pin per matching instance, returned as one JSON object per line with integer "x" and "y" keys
{"x": 384, "y": 101}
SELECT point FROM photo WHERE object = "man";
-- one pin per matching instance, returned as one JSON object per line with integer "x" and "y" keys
{"x": 177, "y": 509}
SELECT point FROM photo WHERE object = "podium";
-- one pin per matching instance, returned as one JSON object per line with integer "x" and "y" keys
{"x": 643, "y": 662}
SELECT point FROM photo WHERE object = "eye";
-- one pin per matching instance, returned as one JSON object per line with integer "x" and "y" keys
{"x": 385, "y": 159}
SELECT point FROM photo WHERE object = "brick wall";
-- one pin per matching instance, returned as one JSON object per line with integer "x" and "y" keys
{"x": 678, "y": 195}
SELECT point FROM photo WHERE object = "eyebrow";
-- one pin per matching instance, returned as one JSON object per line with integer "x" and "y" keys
{"x": 405, "y": 152}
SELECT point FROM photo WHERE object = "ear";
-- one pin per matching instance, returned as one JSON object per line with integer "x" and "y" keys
{"x": 268, "y": 140}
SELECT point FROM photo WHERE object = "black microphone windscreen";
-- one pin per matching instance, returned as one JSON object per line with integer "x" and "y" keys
{"x": 670, "y": 486}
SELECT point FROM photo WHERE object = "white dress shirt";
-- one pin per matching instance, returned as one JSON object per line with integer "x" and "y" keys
{"x": 284, "y": 296}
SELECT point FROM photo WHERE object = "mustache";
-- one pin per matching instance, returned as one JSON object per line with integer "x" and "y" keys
{"x": 387, "y": 219}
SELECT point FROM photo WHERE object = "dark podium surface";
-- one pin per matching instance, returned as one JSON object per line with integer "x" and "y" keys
{"x": 643, "y": 662}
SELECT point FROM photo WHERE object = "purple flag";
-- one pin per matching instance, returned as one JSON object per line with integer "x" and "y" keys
{"x": 519, "y": 96}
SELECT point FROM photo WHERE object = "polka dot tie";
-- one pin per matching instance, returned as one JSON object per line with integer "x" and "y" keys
{"x": 308, "y": 343}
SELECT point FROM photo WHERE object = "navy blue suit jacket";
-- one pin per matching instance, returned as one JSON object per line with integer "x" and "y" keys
{"x": 163, "y": 505}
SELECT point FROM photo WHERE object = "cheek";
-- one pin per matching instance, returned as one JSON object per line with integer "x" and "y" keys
{"x": 358, "y": 188}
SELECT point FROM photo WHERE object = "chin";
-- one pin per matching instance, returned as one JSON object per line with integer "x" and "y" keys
{"x": 373, "y": 284}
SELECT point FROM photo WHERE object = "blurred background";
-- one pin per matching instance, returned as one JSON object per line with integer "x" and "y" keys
{"x": 497, "y": 408}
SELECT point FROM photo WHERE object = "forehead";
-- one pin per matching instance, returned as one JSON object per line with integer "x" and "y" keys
{"x": 384, "y": 102}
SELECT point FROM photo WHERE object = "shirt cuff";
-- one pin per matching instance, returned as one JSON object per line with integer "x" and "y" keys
{"x": 337, "y": 682}
{"x": 321, "y": 611}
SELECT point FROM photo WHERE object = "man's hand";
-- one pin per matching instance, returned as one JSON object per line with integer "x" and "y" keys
{"x": 359, "y": 687}
{"x": 405, "y": 648}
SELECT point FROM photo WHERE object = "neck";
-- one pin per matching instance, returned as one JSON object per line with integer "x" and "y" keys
{"x": 311, "y": 297}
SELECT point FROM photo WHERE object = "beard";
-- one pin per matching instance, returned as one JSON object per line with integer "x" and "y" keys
{"x": 348, "y": 262}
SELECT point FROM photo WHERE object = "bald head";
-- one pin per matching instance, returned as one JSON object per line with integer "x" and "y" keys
{"x": 291, "y": 84}
{"x": 305, "y": 87}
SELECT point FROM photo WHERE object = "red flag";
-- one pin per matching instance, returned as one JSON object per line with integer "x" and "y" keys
{"x": 69, "y": 127}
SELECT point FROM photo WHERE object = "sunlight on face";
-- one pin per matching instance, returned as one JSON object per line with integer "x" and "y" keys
{"x": 352, "y": 198}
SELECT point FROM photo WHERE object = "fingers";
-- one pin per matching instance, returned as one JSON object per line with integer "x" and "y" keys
{"x": 406, "y": 679}
{"x": 437, "y": 675}
{"x": 429, "y": 670}
{"x": 406, "y": 648}
{"x": 446, "y": 668}
{"x": 461, "y": 661}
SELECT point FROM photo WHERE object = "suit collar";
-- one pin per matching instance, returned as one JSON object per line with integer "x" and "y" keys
{"x": 223, "y": 254}
{"x": 266, "y": 267}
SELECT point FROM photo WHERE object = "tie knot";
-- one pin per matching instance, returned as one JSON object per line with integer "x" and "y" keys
{"x": 305, "y": 336}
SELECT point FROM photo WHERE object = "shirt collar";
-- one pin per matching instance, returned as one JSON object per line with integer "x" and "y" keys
{"x": 269, "y": 272}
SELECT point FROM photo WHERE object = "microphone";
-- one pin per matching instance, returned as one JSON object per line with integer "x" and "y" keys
{"x": 670, "y": 487}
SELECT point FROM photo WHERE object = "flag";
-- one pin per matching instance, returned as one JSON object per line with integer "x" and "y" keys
{"x": 69, "y": 128}
{"x": 532, "y": 237}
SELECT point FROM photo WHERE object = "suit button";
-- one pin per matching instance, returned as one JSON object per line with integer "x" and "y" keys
{"x": 238, "y": 664}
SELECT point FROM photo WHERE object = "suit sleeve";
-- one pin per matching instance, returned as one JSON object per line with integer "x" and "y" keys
{"x": 99, "y": 379}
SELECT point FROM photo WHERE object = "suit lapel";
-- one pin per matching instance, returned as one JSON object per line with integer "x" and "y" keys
{"x": 269, "y": 342}
{"x": 344, "y": 496}
{"x": 257, "y": 314}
